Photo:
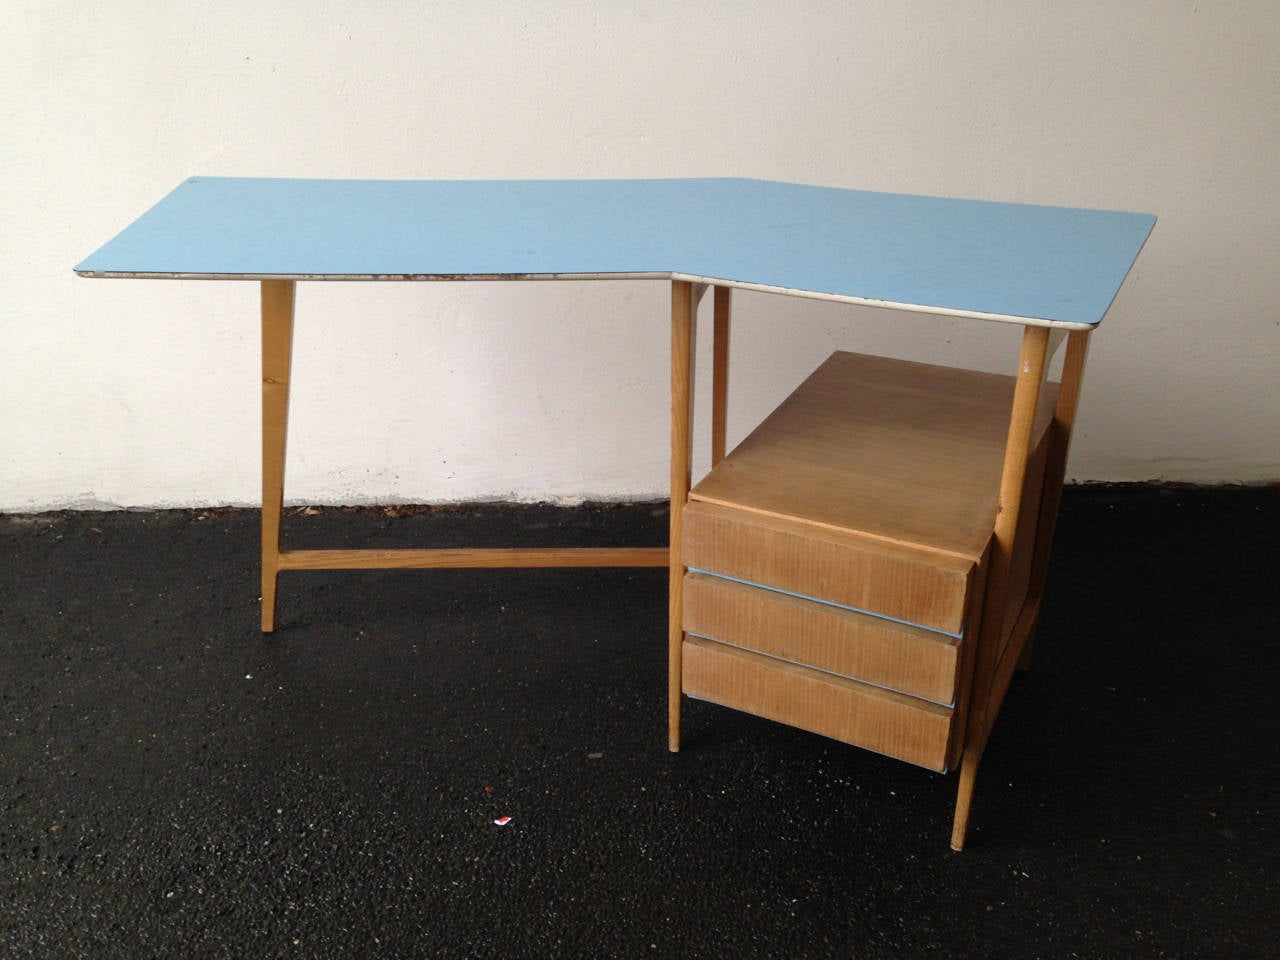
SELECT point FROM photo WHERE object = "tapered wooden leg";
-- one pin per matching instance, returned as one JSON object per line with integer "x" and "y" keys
{"x": 277, "y": 349}
{"x": 683, "y": 306}
{"x": 964, "y": 798}
{"x": 720, "y": 373}
{"x": 984, "y": 697}
{"x": 1064, "y": 418}
{"x": 1024, "y": 658}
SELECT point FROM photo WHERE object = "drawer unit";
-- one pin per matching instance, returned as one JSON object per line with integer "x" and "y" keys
{"x": 836, "y": 558}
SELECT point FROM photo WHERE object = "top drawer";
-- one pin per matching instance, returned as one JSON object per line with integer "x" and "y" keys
{"x": 890, "y": 580}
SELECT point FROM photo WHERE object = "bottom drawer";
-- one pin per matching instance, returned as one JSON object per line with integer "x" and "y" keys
{"x": 891, "y": 723}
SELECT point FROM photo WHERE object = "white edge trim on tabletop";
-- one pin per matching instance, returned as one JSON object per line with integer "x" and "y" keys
{"x": 665, "y": 275}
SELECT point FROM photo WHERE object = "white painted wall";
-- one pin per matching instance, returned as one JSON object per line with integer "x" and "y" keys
{"x": 145, "y": 392}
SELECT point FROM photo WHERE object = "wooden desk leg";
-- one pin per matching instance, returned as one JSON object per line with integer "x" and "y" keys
{"x": 720, "y": 373}
{"x": 277, "y": 349}
{"x": 1026, "y": 395}
{"x": 1064, "y": 418}
{"x": 683, "y": 322}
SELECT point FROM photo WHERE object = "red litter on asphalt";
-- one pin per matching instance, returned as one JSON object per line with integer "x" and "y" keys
{"x": 502, "y": 821}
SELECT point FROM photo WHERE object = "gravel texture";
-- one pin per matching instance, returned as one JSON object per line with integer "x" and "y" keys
{"x": 175, "y": 784}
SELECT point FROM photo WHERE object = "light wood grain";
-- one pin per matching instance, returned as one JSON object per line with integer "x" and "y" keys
{"x": 907, "y": 490}
{"x": 277, "y": 348}
{"x": 919, "y": 663}
{"x": 907, "y": 583}
{"x": 425, "y": 559}
{"x": 907, "y": 452}
{"x": 1024, "y": 541}
{"x": 890, "y": 723}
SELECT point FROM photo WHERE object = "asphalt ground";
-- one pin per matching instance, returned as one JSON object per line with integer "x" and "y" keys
{"x": 175, "y": 784}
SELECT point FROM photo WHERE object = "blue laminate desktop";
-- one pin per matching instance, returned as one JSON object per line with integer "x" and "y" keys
{"x": 1016, "y": 262}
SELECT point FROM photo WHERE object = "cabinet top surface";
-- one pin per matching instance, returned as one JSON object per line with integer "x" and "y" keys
{"x": 903, "y": 452}
{"x": 1016, "y": 262}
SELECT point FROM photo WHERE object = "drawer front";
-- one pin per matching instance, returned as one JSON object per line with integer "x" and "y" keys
{"x": 911, "y": 660}
{"x": 896, "y": 725}
{"x": 912, "y": 584}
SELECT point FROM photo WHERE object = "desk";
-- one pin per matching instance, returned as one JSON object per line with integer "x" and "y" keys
{"x": 1048, "y": 269}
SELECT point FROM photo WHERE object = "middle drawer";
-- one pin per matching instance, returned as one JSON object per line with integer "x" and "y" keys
{"x": 897, "y": 656}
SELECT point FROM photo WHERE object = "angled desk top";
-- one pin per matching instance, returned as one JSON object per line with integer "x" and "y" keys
{"x": 1047, "y": 266}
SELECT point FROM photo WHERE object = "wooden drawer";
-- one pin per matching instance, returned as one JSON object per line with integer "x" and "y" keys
{"x": 891, "y": 723}
{"x": 843, "y": 567}
{"x": 910, "y": 660}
